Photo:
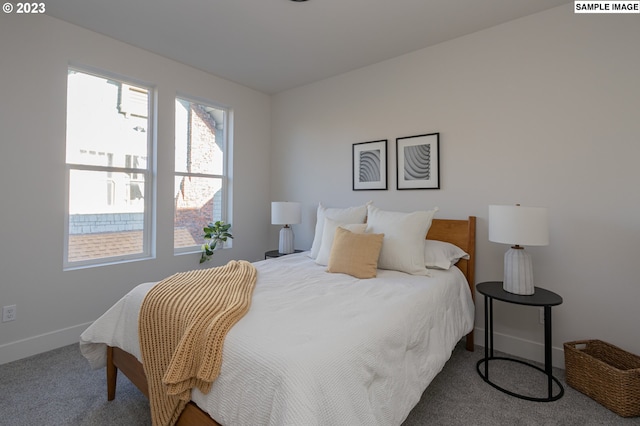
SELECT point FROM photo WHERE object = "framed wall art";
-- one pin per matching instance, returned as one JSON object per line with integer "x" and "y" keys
{"x": 370, "y": 165}
{"x": 418, "y": 161}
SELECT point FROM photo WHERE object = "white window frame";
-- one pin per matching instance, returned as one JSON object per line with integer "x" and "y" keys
{"x": 225, "y": 209}
{"x": 149, "y": 215}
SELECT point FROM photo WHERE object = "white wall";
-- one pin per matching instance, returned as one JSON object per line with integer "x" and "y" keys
{"x": 542, "y": 111}
{"x": 53, "y": 306}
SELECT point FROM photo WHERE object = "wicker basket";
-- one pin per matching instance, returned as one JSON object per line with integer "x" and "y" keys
{"x": 605, "y": 373}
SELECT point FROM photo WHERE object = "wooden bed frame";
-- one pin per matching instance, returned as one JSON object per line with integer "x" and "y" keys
{"x": 459, "y": 232}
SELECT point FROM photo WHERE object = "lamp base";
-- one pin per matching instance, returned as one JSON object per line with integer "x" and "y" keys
{"x": 286, "y": 240}
{"x": 518, "y": 272}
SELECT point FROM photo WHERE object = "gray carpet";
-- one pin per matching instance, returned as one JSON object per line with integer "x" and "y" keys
{"x": 58, "y": 388}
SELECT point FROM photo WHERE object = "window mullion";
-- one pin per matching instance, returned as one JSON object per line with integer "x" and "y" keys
{"x": 202, "y": 175}
{"x": 112, "y": 169}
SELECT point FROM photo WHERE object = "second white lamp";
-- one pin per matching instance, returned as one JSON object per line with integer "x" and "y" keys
{"x": 518, "y": 225}
{"x": 286, "y": 213}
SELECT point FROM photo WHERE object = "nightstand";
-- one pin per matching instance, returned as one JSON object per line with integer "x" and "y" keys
{"x": 545, "y": 298}
{"x": 272, "y": 254}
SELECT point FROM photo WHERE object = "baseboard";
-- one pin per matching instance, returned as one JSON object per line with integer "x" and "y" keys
{"x": 533, "y": 351}
{"x": 19, "y": 349}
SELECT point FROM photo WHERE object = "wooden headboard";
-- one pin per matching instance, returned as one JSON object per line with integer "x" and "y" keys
{"x": 463, "y": 234}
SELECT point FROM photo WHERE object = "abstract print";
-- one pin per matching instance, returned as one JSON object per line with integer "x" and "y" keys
{"x": 417, "y": 162}
{"x": 369, "y": 166}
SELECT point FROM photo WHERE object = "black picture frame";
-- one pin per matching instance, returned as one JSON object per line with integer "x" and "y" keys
{"x": 369, "y": 162}
{"x": 418, "y": 161}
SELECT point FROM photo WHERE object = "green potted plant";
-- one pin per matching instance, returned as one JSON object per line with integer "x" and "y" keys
{"x": 214, "y": 233}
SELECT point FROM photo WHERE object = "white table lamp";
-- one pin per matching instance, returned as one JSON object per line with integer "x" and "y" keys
{"x": 286, "y": 213}
{"x": 518, "y": 226}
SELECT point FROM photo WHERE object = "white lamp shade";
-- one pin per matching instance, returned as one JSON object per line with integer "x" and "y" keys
{"x": 527, "y": 226}
{"x": 285, "y": 213}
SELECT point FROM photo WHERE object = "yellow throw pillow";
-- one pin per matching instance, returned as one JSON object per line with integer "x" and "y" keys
{"x": 355, "y": 254}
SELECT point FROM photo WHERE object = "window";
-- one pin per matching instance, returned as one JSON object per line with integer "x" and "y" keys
{"x": 109, "y": 176}
{"x": 201, "y": 171}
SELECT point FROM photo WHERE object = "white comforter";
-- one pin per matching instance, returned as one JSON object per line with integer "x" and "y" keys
{"x": 318, "y": 348}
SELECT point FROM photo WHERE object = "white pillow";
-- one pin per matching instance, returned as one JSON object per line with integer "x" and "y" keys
{"x": 442, "y": 255}
{"x": 329, "y": 232}
{"x": 347, "y": 215}
{"x": 404, "y": 236}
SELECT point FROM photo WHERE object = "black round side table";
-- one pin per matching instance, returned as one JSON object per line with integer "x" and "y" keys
{"x": 271, "y": 254}
{"x": 545, "y": 298}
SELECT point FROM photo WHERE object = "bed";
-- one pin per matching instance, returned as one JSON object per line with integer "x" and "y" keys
{"x": 372, "y": 372}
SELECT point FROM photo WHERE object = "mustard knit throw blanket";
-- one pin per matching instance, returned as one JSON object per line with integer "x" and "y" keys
{"x": 182, "y": 325}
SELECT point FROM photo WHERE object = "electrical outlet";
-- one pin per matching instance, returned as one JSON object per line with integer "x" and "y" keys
{"x": 8, "y": 313}
{"x": 541, "y": 317}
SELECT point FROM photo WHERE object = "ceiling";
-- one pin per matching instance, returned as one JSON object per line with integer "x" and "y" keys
{"x": 275, "y": 45}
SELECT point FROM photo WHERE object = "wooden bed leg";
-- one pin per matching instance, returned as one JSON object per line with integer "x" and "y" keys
{"x": 470, "y": 345}
{"x": 112, "y": 375}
